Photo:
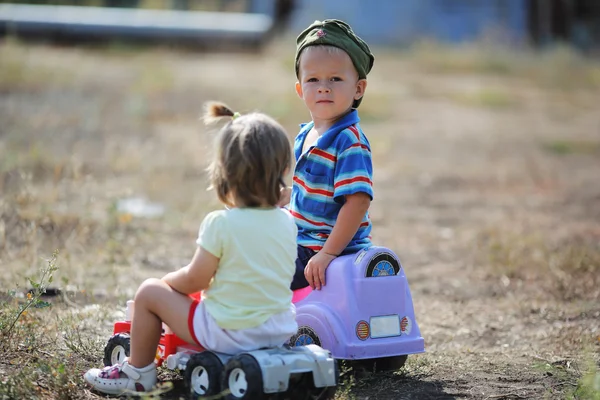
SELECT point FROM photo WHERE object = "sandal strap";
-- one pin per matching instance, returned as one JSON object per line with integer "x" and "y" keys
{"x": 114, "y": 372}
{"x": 130, "y": 372}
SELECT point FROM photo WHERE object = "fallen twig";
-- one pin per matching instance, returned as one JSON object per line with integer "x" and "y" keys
{"x": 506, "y": 396}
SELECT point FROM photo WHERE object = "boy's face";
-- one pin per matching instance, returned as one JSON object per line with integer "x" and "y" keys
{"x": 328, "y": 83}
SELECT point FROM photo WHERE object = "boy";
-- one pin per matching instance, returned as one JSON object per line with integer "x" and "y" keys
{"x": 332, "y": 187}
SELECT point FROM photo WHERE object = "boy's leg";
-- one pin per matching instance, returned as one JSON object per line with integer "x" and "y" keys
{"x": 156, "y": 302}
{"x": 304, "y": 255}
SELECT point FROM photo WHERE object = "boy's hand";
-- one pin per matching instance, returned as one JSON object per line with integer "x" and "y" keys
{"x": 315, "y": 269}
{"x": 284, "y": 199}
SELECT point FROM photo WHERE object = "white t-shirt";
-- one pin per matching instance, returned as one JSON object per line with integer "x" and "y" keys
{"x": 257, "y": 254}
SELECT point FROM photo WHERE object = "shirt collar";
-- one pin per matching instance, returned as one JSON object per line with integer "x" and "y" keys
{"x": 325, "y": 140}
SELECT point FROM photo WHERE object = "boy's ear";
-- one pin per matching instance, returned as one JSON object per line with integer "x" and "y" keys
{"x": 299, "y": 89}
{"x": 361, "y": 87}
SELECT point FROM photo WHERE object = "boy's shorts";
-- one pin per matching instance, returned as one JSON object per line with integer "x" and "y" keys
{"x": 304, "y": 255}
{"x": 274, "y": 332}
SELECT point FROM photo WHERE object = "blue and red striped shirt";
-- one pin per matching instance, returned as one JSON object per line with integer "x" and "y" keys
{"x": 337, "y": 164}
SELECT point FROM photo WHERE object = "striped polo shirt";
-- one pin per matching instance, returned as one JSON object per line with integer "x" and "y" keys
{"x": 337, "y": 164}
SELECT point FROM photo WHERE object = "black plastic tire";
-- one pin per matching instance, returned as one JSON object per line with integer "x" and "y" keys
{"x": 306, "y": 335}
{"x": 242, "y": 378}
{"x": 382, "y": 257}
{"x": 202, "y": 375}
{"x": 380, "y": 364}
{"x": 305, "y": 389}
{"x": 116, "y": 349}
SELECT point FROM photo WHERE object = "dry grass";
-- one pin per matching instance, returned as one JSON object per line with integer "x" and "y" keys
{"x": 18, "y": 68}
{"x": 488, "y": 98}
{"x": 564, "y": 270}
{"x": 560, "y": 68}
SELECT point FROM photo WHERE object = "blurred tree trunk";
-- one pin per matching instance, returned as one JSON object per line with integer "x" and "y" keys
{"x": 544, "y": 13}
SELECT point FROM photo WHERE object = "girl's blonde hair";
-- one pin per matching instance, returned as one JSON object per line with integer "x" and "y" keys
{"x": 252, "y": 155}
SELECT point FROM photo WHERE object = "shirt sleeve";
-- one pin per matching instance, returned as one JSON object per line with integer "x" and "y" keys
{"x": 353, "y": 172}
{"x": 210, "y": 235}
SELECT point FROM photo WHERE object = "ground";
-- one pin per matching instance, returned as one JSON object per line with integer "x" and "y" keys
{"x": 486, "y": 185}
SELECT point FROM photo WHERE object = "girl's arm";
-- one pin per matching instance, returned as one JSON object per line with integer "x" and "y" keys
{"x": 196, "y": 276}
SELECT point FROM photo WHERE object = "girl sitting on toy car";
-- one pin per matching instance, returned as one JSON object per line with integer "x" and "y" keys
{"x": 244, "y": 262}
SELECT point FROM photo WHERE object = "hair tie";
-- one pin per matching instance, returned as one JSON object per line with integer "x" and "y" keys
{"x": 235, "y": 115}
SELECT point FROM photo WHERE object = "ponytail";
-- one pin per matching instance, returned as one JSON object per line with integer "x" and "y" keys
{"x": 214, "y": 110}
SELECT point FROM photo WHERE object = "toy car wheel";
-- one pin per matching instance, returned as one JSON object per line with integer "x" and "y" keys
{"x": 243, "y": 378}
{"x": 116, "y": 349}
{"x": 203, "y": 375}
{"x": 383, "y": 264}
{"x": 381, "y": 364}
{"x": 304, "y": 336}
{"x": 305, "y": 388}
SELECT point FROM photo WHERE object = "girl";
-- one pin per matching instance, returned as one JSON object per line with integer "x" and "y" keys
{"x": 244, "y": 262}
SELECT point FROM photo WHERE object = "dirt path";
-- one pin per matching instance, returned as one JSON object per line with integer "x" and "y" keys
{"x": 486, "y": 185}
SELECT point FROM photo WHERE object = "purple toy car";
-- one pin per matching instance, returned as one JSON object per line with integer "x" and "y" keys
{"x": 364, "y": 313}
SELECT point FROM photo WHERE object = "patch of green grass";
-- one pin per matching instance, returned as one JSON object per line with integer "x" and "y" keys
{"x": 588, "y": 386}
{"x": 346, "y": 384}
{"x": 563, "y": 147}
{"x": 24, "y": 342}
{"x": 13, "y": 313}
{"x": 581, "y": 385}
{"x": 564, "y": 375}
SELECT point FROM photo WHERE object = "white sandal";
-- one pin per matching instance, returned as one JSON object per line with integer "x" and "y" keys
{"x": 121, "y": 378}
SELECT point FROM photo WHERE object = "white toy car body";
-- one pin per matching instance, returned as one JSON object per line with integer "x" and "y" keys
{"x": 302, "y": 372}
{"x": 255, "y": 374}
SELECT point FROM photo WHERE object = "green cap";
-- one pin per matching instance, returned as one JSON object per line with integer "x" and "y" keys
{"x": 333, "y": 32}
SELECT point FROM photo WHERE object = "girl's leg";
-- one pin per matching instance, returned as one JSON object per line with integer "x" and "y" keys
{"x": 156, "y": 302}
